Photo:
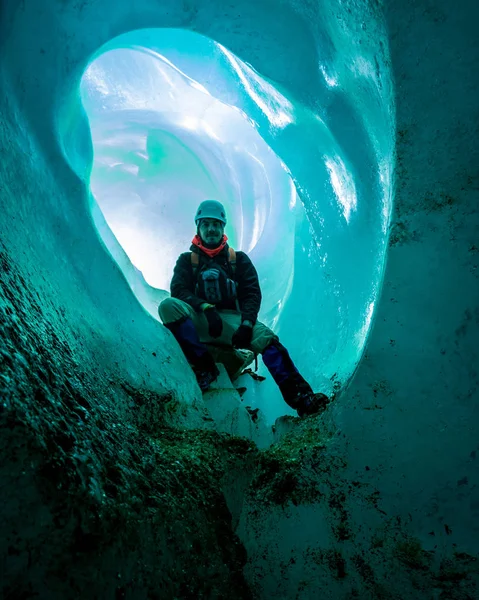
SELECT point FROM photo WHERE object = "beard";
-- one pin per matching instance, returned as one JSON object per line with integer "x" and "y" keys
{"x": 212, "y": 246}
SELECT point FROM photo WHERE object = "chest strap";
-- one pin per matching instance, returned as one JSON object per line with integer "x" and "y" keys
{"x": 195, "y": 261}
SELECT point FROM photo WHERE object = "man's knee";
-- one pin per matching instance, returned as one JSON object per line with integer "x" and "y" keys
{"x": 172, "y": 309}
{"x": 262, "y": 337}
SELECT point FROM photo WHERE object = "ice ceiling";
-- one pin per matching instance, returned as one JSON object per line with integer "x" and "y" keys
{"x": 176, "y": 118}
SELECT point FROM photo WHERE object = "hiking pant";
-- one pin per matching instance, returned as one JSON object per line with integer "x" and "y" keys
{"x": 190, "y": 329}
{"x": 172, "y": 310}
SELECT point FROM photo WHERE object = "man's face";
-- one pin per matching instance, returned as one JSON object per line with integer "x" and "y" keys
{"x": 211, "y": 231}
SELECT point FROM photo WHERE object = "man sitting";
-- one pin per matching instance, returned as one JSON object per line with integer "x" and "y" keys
{"x": 216, "y": 297}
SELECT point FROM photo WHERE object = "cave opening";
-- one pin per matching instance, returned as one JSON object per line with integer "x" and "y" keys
{"x": 175, "y": 118}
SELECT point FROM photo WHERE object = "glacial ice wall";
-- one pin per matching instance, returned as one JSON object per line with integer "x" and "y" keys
{"x": 407, "y": 427}
{"x": 167, "y": 137}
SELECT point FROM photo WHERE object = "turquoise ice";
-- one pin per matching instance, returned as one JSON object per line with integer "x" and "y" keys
{"x": 176, "y": 117}
{"x": 342, "y": 137}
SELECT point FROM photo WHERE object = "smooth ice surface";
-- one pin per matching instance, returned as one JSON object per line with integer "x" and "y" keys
{"x": 176, "y": 118}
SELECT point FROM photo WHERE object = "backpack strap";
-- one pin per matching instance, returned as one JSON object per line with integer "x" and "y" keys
{"x": 232, "y": 259}
{"x": 195, "y": 261}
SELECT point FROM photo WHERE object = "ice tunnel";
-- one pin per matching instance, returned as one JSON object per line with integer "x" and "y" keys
{"x": 176, "y": 118}
{"x": 342, "y": 138}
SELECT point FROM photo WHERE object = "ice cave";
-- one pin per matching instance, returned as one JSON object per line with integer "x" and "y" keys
{"x": 341, "y": 138}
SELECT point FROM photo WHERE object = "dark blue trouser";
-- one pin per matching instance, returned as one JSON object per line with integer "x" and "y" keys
{"x": 290, "y": 382}
{"x": 195, "y": 351}
{"x": 275, "y": 357}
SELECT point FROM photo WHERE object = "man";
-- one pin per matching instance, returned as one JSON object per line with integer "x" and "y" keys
{"x": 216, "y": 297}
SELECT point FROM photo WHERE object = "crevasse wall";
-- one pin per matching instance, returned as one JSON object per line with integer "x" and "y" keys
{"x": 409, "y": 420}
{"x": 164, "y": 139}
{"x": 411, "y": 416}
{"x": 350, "y": 96}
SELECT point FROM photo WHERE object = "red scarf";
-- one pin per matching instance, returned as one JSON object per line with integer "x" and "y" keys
{"x": 197, "y": 241}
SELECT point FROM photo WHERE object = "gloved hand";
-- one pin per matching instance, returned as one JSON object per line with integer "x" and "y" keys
{"x": 242, "y": 336}
{"x": 215, "y": 324}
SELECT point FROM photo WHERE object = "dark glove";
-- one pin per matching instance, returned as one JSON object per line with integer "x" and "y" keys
{"x": 215, "y": 324}
{"x": 242, "y": 336}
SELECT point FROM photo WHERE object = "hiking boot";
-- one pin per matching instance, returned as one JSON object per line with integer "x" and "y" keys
{"x": 206, "y": 377}
{"x": 311, "y": 404}
{"x": 205, "y": 370}
{"x": 294, "y": 390}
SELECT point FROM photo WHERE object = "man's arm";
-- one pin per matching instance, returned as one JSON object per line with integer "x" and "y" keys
{"x": 249, "y": 291}
{"x": 183, "y": 283}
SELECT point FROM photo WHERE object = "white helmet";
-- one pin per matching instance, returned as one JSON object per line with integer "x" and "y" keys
{"x": 211, "y": 209}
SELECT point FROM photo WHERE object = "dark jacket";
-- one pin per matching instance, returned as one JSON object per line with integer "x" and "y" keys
{"x": 249, "y": 293}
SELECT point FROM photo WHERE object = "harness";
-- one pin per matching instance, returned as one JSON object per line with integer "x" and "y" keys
{"x": 195, "y": 263}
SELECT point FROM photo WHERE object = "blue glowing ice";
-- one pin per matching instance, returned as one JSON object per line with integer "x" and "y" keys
{"x": 176, "y": 118}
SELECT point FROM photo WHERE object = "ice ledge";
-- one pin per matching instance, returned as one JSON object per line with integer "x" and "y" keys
{"x": 231, "y": 416}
